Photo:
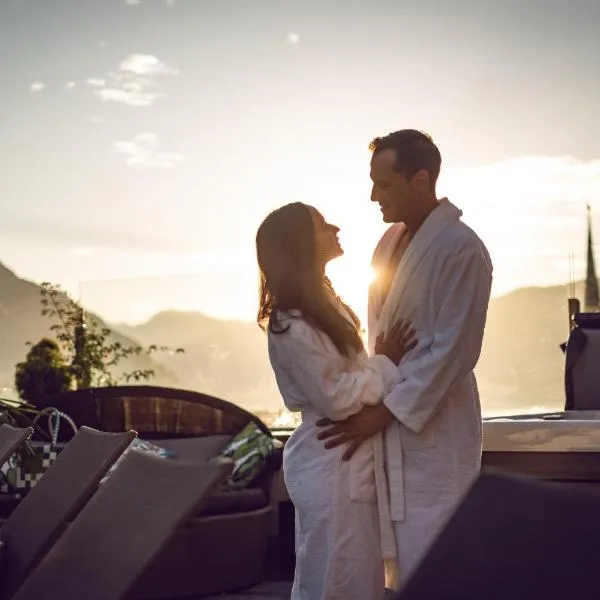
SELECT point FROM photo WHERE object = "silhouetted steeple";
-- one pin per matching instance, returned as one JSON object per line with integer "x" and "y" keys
{"x": 592, "y": 297}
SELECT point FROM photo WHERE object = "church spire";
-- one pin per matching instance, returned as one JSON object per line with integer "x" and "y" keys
{"x": 592, "y": 296}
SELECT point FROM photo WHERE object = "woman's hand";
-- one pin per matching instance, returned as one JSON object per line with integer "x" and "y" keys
{"x": 398, "y": 342}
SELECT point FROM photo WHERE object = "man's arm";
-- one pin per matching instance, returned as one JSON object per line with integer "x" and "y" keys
{"x": 464, "y": 287}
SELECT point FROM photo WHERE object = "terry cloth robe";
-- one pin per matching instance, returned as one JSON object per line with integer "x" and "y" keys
{"x": 343, "y": 523}
{"x": 433, "y": 448}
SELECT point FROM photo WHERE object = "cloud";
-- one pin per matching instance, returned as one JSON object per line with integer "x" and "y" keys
{"x": 169, "y": 3}
{"x": 531, "y": 213}
{"x": 146, "y": 64}
{"x": 16, "y": 224}
{"x": 37, "y": 86}
{"x": 142, "y": 151}
{"x": 70, "y": 85}
{"x": 83, "y": 251}
{"x": 534, "y": 183}
{"x": 293, "y": 38}
{"x": 95, "y": 82}
{"x": 127, "y": 97}
{"x": 134, "y": 82}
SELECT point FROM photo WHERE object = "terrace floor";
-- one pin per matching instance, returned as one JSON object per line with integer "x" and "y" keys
{"x": 269, "y": 590}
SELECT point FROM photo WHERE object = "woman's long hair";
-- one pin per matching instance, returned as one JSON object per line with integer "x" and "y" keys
{"x": 291, "y": 278}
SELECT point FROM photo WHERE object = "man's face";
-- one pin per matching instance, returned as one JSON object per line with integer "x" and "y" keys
{"x": 391, "y": 190}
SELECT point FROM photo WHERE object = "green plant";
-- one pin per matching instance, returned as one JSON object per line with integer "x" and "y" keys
{"x": 43, "y": 372}
{"x": 90, "y": 348}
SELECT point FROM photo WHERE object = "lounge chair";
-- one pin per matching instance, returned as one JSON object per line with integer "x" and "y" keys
{"x": 122, "y": 528}
{"x": 43, "y": 514}
{"x": 10, "y": 440}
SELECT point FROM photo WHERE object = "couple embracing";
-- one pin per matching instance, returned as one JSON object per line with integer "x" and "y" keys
{"x": 390, "y": 437}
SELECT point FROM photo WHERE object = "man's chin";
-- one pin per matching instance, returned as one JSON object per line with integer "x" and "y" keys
{"x": 385, "y": 215}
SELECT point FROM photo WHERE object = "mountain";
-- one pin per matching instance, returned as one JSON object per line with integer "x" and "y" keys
{"x": 521, "y": 366}
{"x": 227, "y": 359}
{"x": 21, "y": 322}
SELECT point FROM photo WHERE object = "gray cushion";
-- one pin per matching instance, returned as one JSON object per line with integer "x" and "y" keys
{"x": 196, "y": 448}
{"x": 226, "y": 501}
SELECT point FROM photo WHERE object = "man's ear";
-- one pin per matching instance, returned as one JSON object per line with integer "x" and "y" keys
{"x": 420, "y": 181}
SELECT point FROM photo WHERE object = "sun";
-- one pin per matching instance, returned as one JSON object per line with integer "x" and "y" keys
{"x": 351, "y": 277}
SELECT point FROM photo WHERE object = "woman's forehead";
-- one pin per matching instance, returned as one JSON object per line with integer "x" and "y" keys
{"x": 316, "y": 216}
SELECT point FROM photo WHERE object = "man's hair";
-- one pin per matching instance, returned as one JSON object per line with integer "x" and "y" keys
{"x": 414, "y": 151}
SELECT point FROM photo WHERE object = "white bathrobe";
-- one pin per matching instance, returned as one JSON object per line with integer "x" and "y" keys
{"x": 433, "y": 450}
{"x": 343, "y": 524}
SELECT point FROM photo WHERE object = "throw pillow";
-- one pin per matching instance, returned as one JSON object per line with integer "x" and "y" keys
{"x": 249, "y": 450}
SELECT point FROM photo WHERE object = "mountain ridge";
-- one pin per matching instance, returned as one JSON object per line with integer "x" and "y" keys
{"x": 521, "y": 364}
{"x": 21, "y": 322}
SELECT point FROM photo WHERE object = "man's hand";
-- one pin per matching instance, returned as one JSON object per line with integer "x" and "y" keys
{"x": 356, "y": 429}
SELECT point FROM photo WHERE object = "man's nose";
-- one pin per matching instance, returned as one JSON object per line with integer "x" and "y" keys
{"x": 374, "y": 194}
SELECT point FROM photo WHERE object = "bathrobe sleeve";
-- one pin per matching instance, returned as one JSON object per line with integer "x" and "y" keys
{"x": 463, "y": 289}
{"x": 337, "y": 387}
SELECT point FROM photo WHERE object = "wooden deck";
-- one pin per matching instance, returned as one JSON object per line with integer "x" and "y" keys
{"x": 279, "y": 590}
{"x": 270, "y": 590}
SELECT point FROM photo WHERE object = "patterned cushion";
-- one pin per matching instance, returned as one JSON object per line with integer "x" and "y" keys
{"x": 146, "y": 447}
{"x": 249, "y": 450}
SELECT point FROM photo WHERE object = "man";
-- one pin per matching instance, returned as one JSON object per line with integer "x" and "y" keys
{"x": 434, "y": 271}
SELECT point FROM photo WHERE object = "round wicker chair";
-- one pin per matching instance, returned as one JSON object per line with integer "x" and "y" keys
{"x": 223, "y": 548}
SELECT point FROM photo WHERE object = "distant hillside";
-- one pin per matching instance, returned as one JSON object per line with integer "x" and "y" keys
{"x": 22, "y": 322}
{"x": 521, "y": 363}
{"x": 225, "y": 358}
{"x": 521, "y": 366}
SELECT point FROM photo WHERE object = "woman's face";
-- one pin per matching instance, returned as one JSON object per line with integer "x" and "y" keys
{"x": 327, "y": 245}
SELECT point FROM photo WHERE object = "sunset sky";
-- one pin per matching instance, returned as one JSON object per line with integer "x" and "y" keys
{"x": 142, "y": 141}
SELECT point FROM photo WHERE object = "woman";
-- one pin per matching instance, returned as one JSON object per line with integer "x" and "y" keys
{"x": 322, "y": 370}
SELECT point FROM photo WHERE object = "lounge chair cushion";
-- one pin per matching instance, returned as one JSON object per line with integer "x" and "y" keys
{"x": 227, "y": 501}
{"x": 196, "y": 448}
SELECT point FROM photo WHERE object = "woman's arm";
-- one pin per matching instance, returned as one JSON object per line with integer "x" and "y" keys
{"x": 335, "y": 386}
